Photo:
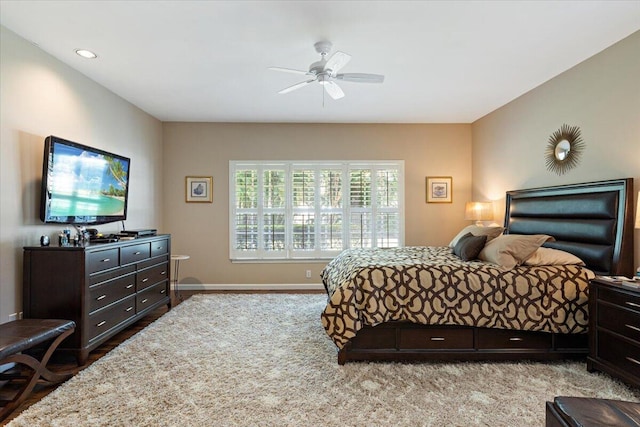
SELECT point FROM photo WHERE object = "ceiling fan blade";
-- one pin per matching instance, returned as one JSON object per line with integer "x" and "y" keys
{"x": 290, "y": 70}
{"x": 336, "y": 62}
{"x": 296, "y": 86}
{"x": 361, "y": 77}
{"x": 333, "y": 90}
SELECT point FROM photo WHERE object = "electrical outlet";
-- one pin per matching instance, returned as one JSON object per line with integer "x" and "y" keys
{"x": 308, "y": 274}
{"x": 13, "y": 316}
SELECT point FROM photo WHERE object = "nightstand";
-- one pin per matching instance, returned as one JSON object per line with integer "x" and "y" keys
{"x": 614, "y": 331}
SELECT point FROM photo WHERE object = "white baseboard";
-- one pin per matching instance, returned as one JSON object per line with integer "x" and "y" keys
{"x": 251, "y": 287}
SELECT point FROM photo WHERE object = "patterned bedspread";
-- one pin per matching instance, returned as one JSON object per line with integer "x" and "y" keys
{"x": 430, "y": 285}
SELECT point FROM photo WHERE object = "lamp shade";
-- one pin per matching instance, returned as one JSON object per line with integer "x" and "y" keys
{"x": 638, "y": 212}
{"x": 478, "y": 211}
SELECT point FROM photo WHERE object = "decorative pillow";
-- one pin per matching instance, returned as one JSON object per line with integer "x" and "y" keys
{"x": 510, "y": 250}
{"x": 490, "y": 232}
{"x": 550, "y": 256}
{"x": 469, "y": 246}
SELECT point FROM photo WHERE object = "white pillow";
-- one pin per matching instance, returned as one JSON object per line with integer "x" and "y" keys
{"x": 550, "y": 256}
{"x": 490, "y": 232}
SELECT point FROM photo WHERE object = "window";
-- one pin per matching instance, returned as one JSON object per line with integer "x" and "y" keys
{"x": 311, "y": 210}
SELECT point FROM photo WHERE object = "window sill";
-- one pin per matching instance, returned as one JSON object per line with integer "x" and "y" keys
{"x": 280, "y": 261}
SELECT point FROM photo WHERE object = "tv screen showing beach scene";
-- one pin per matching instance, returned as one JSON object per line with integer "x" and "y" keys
{"x": 83, "y": 185}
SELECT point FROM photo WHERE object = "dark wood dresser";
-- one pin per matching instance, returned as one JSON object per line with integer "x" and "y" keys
{"x": 102, "y": 287}
{"x": 614, "y": 331}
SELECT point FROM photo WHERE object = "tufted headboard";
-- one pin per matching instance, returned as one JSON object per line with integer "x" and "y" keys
{"x": 593, "y": 221}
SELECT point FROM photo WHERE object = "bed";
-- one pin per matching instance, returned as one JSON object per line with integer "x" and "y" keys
{"x": 426, "y": 303}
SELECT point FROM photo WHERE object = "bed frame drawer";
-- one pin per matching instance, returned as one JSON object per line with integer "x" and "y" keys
{"x": 436, "y": 338}
{"x": 374, "y": 337}
{"x": 497, "y": 339}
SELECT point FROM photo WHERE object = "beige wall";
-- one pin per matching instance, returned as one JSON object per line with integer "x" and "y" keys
{"x": 601, "y": 96}
{"x": 202, "y": 231}
{"x": 41, "y": 96}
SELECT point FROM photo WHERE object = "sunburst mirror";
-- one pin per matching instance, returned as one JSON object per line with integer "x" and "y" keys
{"x": 564, "y": 149}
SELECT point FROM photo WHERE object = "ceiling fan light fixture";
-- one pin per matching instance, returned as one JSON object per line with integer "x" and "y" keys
{"x": 326, "y": 70}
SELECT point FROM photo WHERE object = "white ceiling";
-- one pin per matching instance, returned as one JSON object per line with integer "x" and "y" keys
{"x": 444, "y": 61}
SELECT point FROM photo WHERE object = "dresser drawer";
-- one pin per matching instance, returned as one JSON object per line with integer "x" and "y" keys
{"x": 103, "y": 320}
{"x": 99, "y": 278}
{"x": 135, "y": 253}
{"x": 499, "y": 338}
{"x": 152, "y": 275}
{"x": 436, "y": 338}
{"x": 618, "y": 352}
{"x": 620, "y": 321}
{"x": 620, "y": 297}
{"x": 111, "y": 291}
{"x": 102, "y": 260}
{"x": 159, "y": 247}
{"x": 150, "y": 296}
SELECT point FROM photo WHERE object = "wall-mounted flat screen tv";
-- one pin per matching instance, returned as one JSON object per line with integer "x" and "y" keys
{"x": 82, "y": 185}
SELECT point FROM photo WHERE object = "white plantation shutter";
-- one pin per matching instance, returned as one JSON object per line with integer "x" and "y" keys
{"x": 303, "y": 189}
{"x": 387, "y": 216}
{"x": 297, "y": 210}
{"x": 246, "y": 210}
{"x": 331, "y": 209}
{"x": 274, "y": 197}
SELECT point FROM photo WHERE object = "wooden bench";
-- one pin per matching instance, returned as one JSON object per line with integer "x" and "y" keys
{"x": 21, "y": 335}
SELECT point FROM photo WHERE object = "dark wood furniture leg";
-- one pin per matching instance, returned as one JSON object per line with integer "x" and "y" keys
{"x": 21, "y": 335}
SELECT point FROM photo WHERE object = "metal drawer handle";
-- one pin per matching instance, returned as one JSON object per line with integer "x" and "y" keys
{"x": 104, "y": 296}
{"x": 635, "y": 328}
{"x": 437, "y": 339}
{"x": 163, "y": 273}
{"x": 632, "y": 304}
{"x": 144, "y": 300}
{"x": 106, "y": 260}
{"x": 158, "y": 247}
{"x": 128, "y": 309}
{"x": 145, "y": 279}
{"x": 632, "y": 360}
{"x": 128, "y": 286}
{"x": 516, "y": 339}
{"x": 163, "y": 291}
{"x": 137, "y": 253}
{"x": 101, "y": 323}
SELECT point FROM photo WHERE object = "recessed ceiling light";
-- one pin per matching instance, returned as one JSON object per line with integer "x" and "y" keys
{"x": 86, "y": 53}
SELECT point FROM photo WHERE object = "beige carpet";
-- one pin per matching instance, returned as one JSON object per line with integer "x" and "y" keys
{"x": 264, "y": 360}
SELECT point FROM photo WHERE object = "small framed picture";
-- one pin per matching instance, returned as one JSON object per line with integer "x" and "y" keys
{"x": 439, "y": 189}
{"x": 199, "y": 189}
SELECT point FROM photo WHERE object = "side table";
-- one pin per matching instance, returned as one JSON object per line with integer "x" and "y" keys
{"x": 614, "y": 330}
{"x": 176, "y": 260}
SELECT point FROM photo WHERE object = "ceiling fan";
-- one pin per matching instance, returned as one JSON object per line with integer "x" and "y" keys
{"x": 326, "y": 70}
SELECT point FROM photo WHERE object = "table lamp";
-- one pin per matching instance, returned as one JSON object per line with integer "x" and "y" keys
{"x": 478, "y": 211}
